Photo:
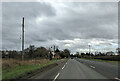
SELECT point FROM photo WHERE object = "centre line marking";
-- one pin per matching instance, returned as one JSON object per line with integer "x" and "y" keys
{"x": 56, "y": 76}
{"x": 63, "y": 67}
{"x": 92, "y": 67}
{"x": 117, "y": 79}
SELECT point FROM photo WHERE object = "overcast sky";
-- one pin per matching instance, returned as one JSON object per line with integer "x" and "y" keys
{"x": 72, "y": 25}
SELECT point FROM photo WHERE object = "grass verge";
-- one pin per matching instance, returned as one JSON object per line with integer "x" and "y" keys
{"x": 102, "y": 60}
{"x": 13, "y": 73}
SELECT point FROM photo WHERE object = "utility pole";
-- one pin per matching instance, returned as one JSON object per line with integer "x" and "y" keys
{"x": 89, "y": 49}
{"x": 23, "y": 39}
{"x": 54, "y": 48}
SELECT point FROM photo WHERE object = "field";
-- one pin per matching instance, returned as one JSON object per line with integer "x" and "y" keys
{"x": 107, "y": 58}
{"x": 13, "y": 69}
{"x": 101, "y": 60}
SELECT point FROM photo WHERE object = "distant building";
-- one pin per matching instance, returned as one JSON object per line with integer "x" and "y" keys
{"x": 57, "y": 54}
{"x": 53, "y": 54}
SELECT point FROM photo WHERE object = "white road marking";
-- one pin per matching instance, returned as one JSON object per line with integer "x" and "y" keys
{"x": 56, "y": 76}
{"x": 92, "y": 67}
{"x": 63, "y": 67}
{"x": 66, "y": 62}
{"x": 117, "y": 79}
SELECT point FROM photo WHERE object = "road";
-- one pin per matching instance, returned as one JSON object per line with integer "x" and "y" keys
{"x": 108, "y": 70}
{"x": 77, "y": 69}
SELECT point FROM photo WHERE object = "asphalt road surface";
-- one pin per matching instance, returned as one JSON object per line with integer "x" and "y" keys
{"x": 79, "y": 69}
{"x": 108, "y": 70}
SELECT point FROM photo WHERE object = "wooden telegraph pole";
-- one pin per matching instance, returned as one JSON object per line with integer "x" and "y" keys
{"x": 23, "y": 39}
{"x": 89, "y": 49}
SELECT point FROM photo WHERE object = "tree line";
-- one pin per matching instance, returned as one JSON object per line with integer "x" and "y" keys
{"x": 99, "y": 55}
{"x": 37, "y": 52}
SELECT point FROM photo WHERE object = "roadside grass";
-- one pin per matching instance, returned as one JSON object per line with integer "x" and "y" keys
{"x": 15, "y": 72}
{"x": 102, "y": 60}
{"x": 11, "y": 63}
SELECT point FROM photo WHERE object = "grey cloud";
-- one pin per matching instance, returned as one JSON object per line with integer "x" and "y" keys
{"x": 12, "y": 14}
{"x": 94, "y": 23}
{"x": 79, "y": 20}
{"x": 27, "y": 9}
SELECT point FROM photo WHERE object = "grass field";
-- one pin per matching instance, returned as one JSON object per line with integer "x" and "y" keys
{"x": 15, "y": 72}
{"x": 102, "y": 60}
